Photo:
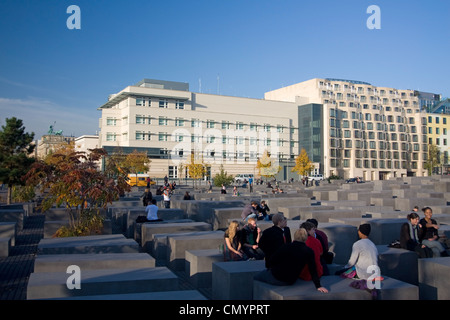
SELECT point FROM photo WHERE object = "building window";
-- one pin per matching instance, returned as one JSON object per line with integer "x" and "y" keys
{"x": 163, "y": 121}
{"x": 140, "y": 101}
{"x": 225, "y": 125}
{"x": 196, "y": 123}
{"x": 210, "y": 124}
{"x": 110, "y": 136}
{"x": 139, "y": 135}
{"x": 179, "y": 122}
{"x": 110, "y": 121}
{"x": 179, "y": 105}
{"x": 162, "y": 136}
{"x": 163, "y": 103}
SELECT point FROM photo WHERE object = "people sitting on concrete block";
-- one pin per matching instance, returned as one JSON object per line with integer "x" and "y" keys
{"x": 411, "y": 234}
{"x": 152, "y": 211}
{"x": 316, "y": 246}
{"x": 187, "y": 196}
{"x": 263, "y": 211}
{"x": 430, "y": 236}
{"x": 364, "y": 256}
{"x": 250, "y": 236}
{"x": 233, "y": 247}
{"x": 275, "y": 237}
{"x": 288, "y": 261}
{"x": 250, "y": 211}
{"x": 327, "y": 256}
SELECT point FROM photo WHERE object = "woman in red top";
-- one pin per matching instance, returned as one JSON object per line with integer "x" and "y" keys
{"x": 316, "y": 246}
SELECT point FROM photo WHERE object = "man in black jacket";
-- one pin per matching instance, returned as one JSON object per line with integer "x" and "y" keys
{"x": 274, "y": 237}
{"x": 288, "y": 261}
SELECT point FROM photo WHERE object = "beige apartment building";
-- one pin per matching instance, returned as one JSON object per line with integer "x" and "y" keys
{"x": 368, "y": 131}
{"x": 349, "y": 128}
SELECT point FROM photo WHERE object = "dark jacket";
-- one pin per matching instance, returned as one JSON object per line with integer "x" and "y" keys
{"x": 271, "y": 240}
{"x": 248, "y": 209}
{"x": 406, "y": 242}
{"x": 290, "y": 259}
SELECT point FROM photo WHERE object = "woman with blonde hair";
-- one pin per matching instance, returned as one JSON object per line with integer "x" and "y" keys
{"x": 232, "y": 248}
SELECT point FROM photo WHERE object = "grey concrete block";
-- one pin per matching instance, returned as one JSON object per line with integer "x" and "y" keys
{"x": 5, "y": 246}
{"x": 151, "y": 296}
{"x": 234, "y": 280}
{"x": 301, "y": 212}
{"x": 198, "y": 266}
{"x": 399, "y": 264}
{"x": 50, "y": 227}
{"x": 384, "y": 231}
{"x": 115, "y": 243}
{"x": 338, "y": 289}
{"x": 434, "y": 282}
{"x": 340, "y": 240}
{"x": 44, "y": 285}
{"x": 13, "y": 215}
{"x": 89, "y": 261}
{"x": 148, "y": 230}
{"x": 9, "y": 230}
{"x": 222, "y": 217}
{"x": 178, "y": 244}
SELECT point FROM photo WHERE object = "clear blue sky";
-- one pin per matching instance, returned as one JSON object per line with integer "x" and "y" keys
{"x": 49, "y": 73}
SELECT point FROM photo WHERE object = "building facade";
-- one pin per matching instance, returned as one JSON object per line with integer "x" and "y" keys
{"x": 170, "y": 123}
{"x": 438, "y": 126}
{"x": 348, "y": 128}
{"x": 368, "y": 131}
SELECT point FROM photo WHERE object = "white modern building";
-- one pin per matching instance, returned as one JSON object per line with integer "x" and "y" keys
{"x": 349, "y": 128}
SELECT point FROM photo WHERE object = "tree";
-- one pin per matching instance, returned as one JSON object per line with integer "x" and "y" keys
{"x": 222, "y": 178}
{"x": 267, "y": 167}
{"x": 136, "y": 162}
{"x": 15, "y": 153}
{"x": 303, "y": 165}
{"x": 433, "y": 158}
{"x": 71, "y": 179}
{"x": 196, "y": 167}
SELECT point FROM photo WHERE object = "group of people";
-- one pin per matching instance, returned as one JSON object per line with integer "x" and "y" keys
{"x": 258, "y": 211}
{"x": 421, "y": 235}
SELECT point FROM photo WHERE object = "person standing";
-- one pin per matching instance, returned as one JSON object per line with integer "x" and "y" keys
{"x": 166, "y": 195}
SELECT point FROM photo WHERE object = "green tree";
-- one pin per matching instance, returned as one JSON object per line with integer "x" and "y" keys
{"x": 303, "y": 164}
{"x": 222, "y": 178}
{"x": 432, "y": 159}
{"x": 16, "y": 149}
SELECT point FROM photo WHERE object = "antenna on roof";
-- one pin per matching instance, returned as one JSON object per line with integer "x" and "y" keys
{"x": 218, "y": 84}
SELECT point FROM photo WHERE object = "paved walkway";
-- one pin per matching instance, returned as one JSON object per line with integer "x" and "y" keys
{"x": 15, "y": 269}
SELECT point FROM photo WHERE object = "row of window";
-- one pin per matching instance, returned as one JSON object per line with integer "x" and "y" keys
{"x": 366, "y": 154}
{"x": 360, "y": 90}
{"x": 162, "y": 103}
{"x": 382, "y": 145}
{"x": 339, "y": 114}
{"x": 374, "y": 164}
{"x": 196, "y": 123}
{"x": 436, "y": 120}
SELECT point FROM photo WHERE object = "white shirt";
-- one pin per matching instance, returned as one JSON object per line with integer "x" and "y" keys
{"x": 152, "y": 212}
{"x": 364, "y": 254}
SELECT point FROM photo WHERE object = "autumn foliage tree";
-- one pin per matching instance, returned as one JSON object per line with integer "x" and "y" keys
{"x": 303, "y": 165}
{"x": 71, "y": 179}
{"x": 267, "y": 167}
{"x": 196, "y": 167}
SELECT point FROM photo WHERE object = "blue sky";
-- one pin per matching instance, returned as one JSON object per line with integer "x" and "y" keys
{"x": 50, "y": 74}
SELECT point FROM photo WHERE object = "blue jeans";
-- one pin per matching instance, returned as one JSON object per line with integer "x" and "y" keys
{"x": 435, "y": 246}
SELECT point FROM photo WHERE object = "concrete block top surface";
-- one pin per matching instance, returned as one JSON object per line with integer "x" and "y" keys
{"x": 204, "y": 252}
{"x": 77, "y": 257}
{"x": 241, "y": 266}
{"x": 99, "y": 240}
{"x": 103, "y": 275}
